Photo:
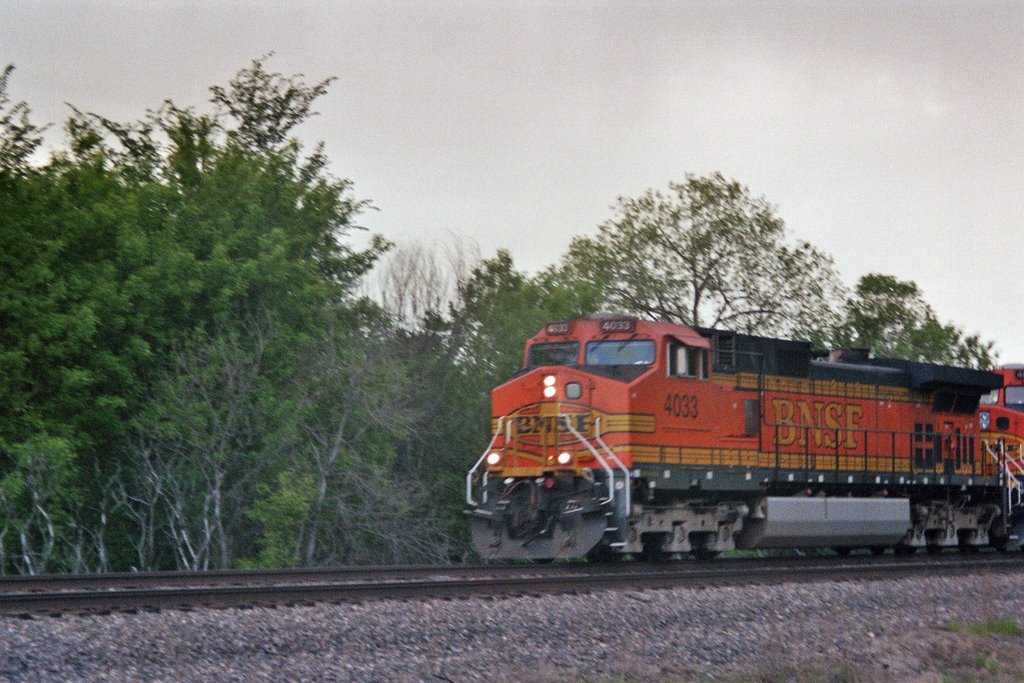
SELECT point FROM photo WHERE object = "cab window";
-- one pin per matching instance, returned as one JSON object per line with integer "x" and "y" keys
{"x": 990, "y": 399}
{"x": 629, "y": 352}
{"x": 1015, "y": 397}
{"x": 686, "y": 361}
{"x": 561, "y": 353}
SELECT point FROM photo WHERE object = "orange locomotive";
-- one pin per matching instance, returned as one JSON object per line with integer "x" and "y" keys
{"x": 624, "y": 436}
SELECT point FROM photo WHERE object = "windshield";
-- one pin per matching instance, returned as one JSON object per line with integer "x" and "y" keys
{"x": 562, "y": 353}
{"x": 990, "y": 399}
{"x": 1015, "y": 397}
{"x": 638, "y": 352}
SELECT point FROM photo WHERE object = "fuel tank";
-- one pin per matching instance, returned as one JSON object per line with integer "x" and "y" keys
{"x": 784, "y": 522}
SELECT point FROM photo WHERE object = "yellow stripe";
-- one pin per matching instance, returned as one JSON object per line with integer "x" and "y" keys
{"x": 820, "y": 462}
{"x": 526, "y": 464}
{"x": 632, "y": 422}
{"x": 820, "y": 387}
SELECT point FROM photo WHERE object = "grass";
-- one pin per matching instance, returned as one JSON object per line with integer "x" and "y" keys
{"x": 984, "y": 651}
{"x": 1003, "y": 626}
{"x": 812, "y": 673}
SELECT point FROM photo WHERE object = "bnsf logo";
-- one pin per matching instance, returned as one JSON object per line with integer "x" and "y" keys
{"x": 535, "y": 424}
{"x": 823, "y": 421}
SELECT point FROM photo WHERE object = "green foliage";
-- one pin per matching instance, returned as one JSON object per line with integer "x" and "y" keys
{"x": 38, "y": 495}
{"x": 503, "y": 307}
{"x": 68, "y": 350}
{"x": 42, "y": 458}
{"x": 459, "y": 331}
{"x": 707, "y": 253}
{"x": 142, "y": 268}
{"x": 280, "y": 512}
{"x": 266, "y": 105}
{"x": 19, "y": 137}
{"x": 890, "y": 317}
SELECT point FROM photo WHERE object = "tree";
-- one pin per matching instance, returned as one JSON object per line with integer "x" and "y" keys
{"x": 708, "y": 253}
{"x": 355, "y": 405}
{"x": 36, "y": 499}
{"x": 204, "y": 438}
{"x": 19, "y": 137}
{"x": 132, "y": 257}
{"x": 266, "y": 106}
{"x": 460, "y": 329}
{"x": 502, "y": 307}
{"x": 418, "y": 285}
{"x": 890, "y": 317}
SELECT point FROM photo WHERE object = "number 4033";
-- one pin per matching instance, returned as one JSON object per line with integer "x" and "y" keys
{"x": 681, "y": 405}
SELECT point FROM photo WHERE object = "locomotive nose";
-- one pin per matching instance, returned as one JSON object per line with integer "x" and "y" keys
{"x": 560, "y": 385}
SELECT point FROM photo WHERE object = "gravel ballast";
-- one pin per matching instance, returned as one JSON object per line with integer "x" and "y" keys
{"x": 878, "y": 630}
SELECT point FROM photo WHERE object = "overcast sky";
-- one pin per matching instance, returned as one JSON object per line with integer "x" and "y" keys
{"x": 888, "y": 134}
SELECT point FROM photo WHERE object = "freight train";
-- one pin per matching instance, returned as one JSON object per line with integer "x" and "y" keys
{"x": 622, "y": 436}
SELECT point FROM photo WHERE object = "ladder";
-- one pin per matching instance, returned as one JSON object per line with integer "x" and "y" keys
{"x": 1011, "y": 471}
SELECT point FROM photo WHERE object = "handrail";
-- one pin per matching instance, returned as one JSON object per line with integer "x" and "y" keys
{"x": 1018, "y": 486}
{"x": 469, "y": 477}
{"x": 1015, "y": 463}
{"x": 809, "y": 455}
{"x": 1018, "y": 466}
{"x": 614, "y": 455}
{"x": 597, "y": 456}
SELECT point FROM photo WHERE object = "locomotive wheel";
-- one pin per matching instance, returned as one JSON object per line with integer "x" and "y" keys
{"x": 602, "y": 554}
{"x": 903, "y": 550}
{"x": 704, "y": 554}
{"x": 934, "y": 549}
{"x": 652, "y": 551}
{"x": 700, "y": 549}
{"x": 878, "y": 550}
{"x": 842, "y": 550}
{"x": 997, "y": 537}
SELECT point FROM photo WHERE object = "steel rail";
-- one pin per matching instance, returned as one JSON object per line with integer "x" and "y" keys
{"x": 641, "y": 576}
{"x": 227, "y": 577}
{"x": 256, "y": 577}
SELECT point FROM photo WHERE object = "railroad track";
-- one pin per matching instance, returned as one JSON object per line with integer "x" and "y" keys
{"x": 102, "y": 593}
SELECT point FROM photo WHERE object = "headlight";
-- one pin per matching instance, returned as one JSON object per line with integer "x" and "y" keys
{"x": 564, "y": 458}
{"x": 549, "y": 392}
{"x": 984, "y": 420}
{"x": 549, "y": 381}
{"x": 493, "y": 458}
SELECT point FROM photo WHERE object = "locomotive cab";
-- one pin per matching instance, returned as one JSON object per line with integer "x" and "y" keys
{"x": 556, "y": 477}
{"x": 1001, "y": 420}
{"x": 1010, "y": 397}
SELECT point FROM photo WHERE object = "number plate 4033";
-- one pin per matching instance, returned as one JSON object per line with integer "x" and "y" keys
{"x": 682, "y": 405}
